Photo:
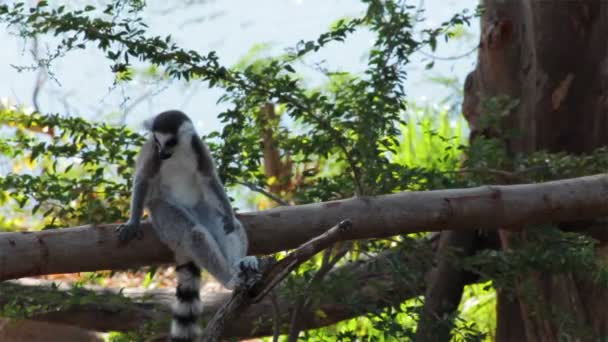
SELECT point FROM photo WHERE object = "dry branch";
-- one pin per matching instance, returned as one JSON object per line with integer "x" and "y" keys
{"x": 91, "y": 248}
{"x": 243, "y": 297}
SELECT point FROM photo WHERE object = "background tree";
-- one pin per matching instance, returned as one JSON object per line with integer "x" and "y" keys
{"x": 550, "y": 94}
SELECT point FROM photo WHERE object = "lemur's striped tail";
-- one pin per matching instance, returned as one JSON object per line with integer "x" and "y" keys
{"x": 188, "y": 307}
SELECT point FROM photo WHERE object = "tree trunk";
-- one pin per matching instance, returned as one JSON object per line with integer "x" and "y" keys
{"x": 550, "y": 59}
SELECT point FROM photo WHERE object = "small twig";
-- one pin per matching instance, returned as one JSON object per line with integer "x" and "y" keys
{"x": 264, "y": 192}
{"x": 450, "y": 58}
{"x": 41, "y": 76}
{"x": 507, "y": 175}
{"x": 272, "y": 274}
{"x": 504, "y": 174}
{"x": 276, "y": 313}
{"x": 135, "y": 102}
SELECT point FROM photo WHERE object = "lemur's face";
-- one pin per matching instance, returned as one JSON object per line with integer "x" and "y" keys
{"x": 169, "y": 129}
{"x": 165, "y": 144}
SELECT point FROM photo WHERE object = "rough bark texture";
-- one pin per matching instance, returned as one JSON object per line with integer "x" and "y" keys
{"x": 551, "y": 57}
{"x": 97, "y": 248}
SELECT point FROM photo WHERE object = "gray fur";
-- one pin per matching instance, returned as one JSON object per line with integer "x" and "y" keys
{"x": 188, "y": 205}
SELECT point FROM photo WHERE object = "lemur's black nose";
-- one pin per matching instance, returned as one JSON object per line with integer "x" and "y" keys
{"x": 164, "y": 155}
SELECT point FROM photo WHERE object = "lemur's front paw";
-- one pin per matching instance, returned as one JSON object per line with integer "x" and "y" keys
{"x": 248, "y": 271}
{"x": 249, "y": 263}
{"x": 128, "y": 231}
{"x": 229, "y": 224}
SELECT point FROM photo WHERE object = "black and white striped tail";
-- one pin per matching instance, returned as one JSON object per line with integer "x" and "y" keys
{"x": 188, "y": 307}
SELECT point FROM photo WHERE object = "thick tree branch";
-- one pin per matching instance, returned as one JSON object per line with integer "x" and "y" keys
{"x": 365, "y": 286}
{"x": 91, "y": 248}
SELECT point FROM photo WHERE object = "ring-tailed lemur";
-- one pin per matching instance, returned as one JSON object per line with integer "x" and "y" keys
{"x": 175, "y": 178}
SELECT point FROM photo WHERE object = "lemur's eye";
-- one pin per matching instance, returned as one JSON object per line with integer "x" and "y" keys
{"x": 171, "y": 142}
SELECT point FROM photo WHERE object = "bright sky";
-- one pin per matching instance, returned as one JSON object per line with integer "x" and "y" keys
{"x": 232, "y": 28}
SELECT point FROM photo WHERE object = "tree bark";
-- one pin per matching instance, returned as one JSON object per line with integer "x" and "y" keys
{"x": 550, "y": 57}
{"x": 91, "y": 248}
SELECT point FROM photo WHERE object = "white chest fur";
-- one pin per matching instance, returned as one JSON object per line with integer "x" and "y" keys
{"x": 179, "y": 178}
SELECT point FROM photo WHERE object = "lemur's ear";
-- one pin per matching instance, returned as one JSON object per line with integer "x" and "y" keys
{"x": 148, "y": 124}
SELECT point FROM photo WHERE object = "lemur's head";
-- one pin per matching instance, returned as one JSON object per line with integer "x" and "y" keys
{"x": 169, "y": 130}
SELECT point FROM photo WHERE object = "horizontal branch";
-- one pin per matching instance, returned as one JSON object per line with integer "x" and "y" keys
{"x": 365, "y": 286}
{"x": 90, "y": 248}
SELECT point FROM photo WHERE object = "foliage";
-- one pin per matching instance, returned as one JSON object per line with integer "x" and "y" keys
{"x": 432, "y": 139}
{"x": 477, "y": 309}
{"x": 79, "y": 162}
{"x": 518, "y": 271}
{"x": 564, "y": 252}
